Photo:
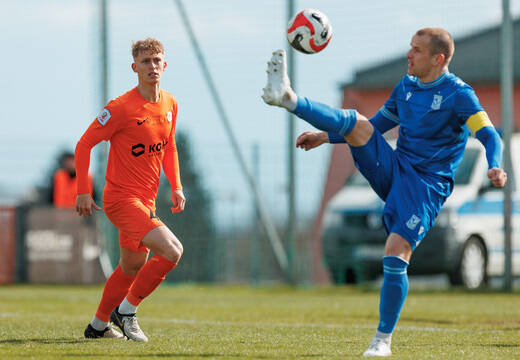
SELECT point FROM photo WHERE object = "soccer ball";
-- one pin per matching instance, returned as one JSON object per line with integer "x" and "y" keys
{"x": 309, "y": 31}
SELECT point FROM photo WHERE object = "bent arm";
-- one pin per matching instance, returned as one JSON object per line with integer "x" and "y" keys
{"x": 82, "y": 163}
{"x": 480, "y": 125}
{"x": 489, "y": 137}
{"x": 84, "y": 201}
{"x": 384, "y": 120}
{"x": 171, "y": 165}
{"x": 172, "y": 172}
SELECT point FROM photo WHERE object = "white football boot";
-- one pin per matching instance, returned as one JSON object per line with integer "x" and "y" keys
{"x": 278, "y": 90}
{"x": 379, "y": 346}
{"x": 107, "y": 333}
{"x": 128, "y": 325}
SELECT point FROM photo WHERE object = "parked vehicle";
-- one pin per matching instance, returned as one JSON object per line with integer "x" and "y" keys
{"x": 466, "y": 241}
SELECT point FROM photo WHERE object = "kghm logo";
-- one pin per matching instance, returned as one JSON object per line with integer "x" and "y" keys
{"x": 157, "y": 147}
{"x": 138, "y": 150}
{"x": 153, "y": 150}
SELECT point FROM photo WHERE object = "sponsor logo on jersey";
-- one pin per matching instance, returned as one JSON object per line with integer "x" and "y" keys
{"x": 437, "y": 100}
{"x": 141, "y": 122}
{"x": 413, "y": 222}
{"x": 169, "y": 116}
{"x": 138, "y": 150}
{"x": 104, "y": 116}
{"x": 153, "y": 150}
{"x": 408, "y": 94}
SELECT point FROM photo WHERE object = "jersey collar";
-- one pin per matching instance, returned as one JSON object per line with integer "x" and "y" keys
{"x": 434, "y": 82}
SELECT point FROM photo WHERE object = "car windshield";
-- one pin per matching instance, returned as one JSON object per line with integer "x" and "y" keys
{"x": 462, "y": 176}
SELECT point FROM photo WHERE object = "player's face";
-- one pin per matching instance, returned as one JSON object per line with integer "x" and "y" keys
{"x": 420, "y": 62}
{"x": 149, "y": 67}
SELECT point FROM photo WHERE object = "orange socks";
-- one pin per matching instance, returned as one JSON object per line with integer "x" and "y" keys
{"x": 116, "y": 289}
{"x": 134, "y": 288}
{"x": 148, "y": 279}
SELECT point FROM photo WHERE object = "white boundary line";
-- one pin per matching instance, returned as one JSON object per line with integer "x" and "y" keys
{"x": 316, "y": 325}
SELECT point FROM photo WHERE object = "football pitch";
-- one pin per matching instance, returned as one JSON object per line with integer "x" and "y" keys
{"x": 219, "y": 322}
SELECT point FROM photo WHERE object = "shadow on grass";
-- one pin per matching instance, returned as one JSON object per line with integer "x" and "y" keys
{"x": 117, "y": 354}
{"x": 52, "y": 341}
{"x": 500, "y": 345}
{"x": 209, "y": 355}
{"x": 427, "y": 321}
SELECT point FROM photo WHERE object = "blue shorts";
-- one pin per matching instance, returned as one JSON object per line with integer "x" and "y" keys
{"x": 412, "y": 198}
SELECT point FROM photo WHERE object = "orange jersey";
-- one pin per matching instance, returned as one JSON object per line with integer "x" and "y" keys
{"x": 142, "y": 138}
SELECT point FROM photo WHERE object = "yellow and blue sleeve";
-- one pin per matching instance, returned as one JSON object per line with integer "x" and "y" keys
{"x": 480, "y": 125}
{"x": 478, "y": 121}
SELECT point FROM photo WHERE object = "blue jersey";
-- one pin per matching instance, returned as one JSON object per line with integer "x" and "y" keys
{"x": 432, "y": 118}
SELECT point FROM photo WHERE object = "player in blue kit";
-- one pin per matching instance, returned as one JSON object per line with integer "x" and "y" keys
{"x": 435, "y": 112}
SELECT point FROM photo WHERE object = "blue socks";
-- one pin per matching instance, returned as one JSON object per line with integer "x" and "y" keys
{"x": 393, "y": 292}
{"x": 326, "y": 118}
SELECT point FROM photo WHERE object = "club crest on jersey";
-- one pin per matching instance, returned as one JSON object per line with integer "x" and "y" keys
{"x": 103, "y": 117}
{"x": 437, "y": 100}
{"x": 169, "y": 116}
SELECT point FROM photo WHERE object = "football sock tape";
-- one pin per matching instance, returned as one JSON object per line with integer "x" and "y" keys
{"x": 326, "y": 118}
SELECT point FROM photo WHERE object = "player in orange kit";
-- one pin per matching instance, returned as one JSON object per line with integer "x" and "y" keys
{"x": 140, "y": 126}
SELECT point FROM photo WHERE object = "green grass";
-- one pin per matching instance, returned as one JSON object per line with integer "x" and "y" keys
{"x": 204, "y": 322}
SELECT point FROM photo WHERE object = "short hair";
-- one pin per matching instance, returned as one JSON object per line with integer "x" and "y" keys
{"x": 150, "y": 44}
{"x": 441, "y": 42}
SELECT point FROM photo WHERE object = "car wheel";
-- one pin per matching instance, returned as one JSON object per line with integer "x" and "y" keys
{"x": 471, "y": 268}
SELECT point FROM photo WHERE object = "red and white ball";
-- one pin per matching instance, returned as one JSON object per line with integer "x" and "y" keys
{"x": 309, "y": 31}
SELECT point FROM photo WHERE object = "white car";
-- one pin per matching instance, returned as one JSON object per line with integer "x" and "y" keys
{"x": 466, "y": 242}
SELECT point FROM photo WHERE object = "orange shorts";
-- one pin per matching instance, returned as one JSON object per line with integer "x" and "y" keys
{"x": 133, "y": 219}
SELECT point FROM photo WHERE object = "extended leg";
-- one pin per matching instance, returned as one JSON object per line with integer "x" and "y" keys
{"x": 278, "y": 92}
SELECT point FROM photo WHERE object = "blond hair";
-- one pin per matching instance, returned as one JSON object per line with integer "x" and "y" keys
{"x": 441, "y": 42}
{"x": 150, "y": 44}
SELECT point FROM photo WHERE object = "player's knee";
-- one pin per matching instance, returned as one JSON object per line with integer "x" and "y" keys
{"x": 361, "y": 133}
{"x": 397, "y": 246}
{"x": 173, "y": 252}
{"x": 179, "y": 250}
{"x": 131, "y": 267}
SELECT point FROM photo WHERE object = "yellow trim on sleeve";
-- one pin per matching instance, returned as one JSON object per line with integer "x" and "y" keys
{"x": 477, "y": 121}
